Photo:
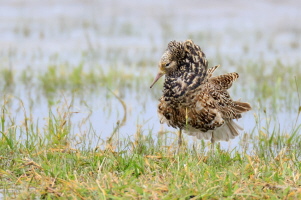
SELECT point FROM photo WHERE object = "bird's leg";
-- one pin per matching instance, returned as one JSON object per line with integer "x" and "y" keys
{"x": 179, "y": 141}
{"x": 212, "y": 142}
{"x": 180, "y": 138}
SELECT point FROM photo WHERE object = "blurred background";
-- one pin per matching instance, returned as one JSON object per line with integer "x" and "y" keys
{"x": 95, "y": 60}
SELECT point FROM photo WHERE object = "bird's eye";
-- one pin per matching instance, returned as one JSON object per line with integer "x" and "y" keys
{"x": 167, "y": 64}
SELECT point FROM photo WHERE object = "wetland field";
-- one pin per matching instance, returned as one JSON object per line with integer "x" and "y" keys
{"x": 79, "y": 121}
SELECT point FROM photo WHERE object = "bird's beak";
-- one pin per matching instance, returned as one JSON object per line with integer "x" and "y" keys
{"x": 159, "y": 75}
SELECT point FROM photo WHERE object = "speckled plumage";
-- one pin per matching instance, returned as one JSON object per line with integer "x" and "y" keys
{"x": 192, "y": 99}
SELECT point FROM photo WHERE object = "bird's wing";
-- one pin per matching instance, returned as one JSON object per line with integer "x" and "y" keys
{"x": 225, "y": 104}
{"x": 203, "y": 113}
{"x": 218, "y": 90}
{"x": 224, "y": 82}
{"x": 211, "y": 70}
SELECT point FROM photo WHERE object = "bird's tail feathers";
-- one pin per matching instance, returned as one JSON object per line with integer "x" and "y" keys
{"x": 241, "y": 107}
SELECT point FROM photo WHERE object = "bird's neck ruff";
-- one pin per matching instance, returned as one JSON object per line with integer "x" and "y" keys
{"x": 191, "y": 72}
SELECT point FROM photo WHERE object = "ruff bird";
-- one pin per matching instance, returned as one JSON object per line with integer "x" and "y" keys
{"x": 193, "y": 100}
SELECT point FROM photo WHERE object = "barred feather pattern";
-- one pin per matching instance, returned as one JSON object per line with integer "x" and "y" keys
{"x": 194, "y": 100}
{"x": 190, "y": 72}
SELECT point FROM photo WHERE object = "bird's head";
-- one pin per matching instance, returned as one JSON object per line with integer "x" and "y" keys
{"x": 169, "y": 59}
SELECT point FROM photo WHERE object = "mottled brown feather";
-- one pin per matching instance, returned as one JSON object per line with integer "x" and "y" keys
{"x": 195, "y": 101}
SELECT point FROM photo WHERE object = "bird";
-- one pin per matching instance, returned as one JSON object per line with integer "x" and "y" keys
{"x": 194, "y": 101}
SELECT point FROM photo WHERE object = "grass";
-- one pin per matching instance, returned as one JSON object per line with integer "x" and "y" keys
{"x": 69, "y": 77}
{"x": 51, "y": 150}
{"x": 147, "y": 171}
{"x": 52, "y": 162}
{"x": 49, "y": 164}
{"x": 265, "y": 86}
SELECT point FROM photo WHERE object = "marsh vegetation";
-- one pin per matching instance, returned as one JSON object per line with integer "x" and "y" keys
{"x": 78, "y": 120}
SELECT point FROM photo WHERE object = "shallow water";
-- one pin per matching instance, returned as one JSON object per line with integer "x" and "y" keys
{"x": 132, "y": 36}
